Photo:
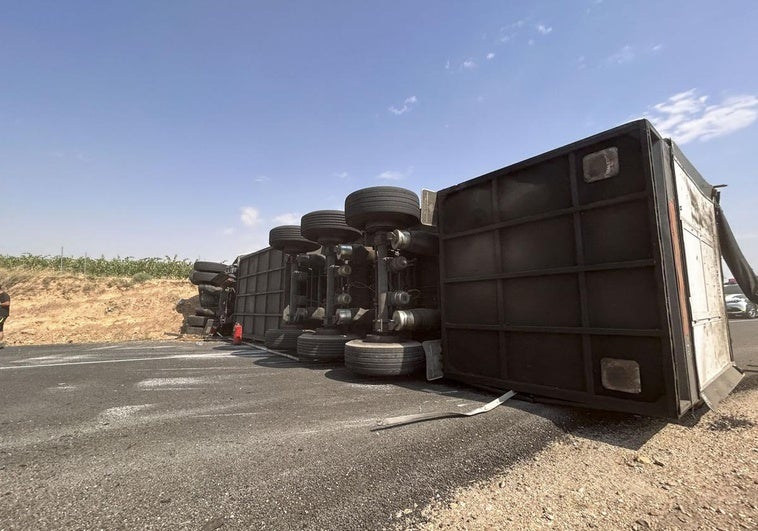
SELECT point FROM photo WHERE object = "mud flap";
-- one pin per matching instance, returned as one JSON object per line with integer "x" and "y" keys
{"x": 721, "y": 386}
{"x": 433, "y": 351}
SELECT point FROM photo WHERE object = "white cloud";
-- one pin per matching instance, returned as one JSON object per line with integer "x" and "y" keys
{"x": 656, "y": 48}
{"x": 289, "y": 218}
{"x": 686, "y": 117}
{"x": 624, "y": 55}
{"x": 227, "y": 231}
{"x": 390, "y": 175}
{"x": 250, "y": 216}
{"x": 544, "y": 30}
{"x": 447, "y": 65}
{"x": 341, "y": 174}
{"x": 261, "y": 179}
{"x": 490, "y": 56}
{"x": 531, "y": 42}
{"x": 507, "y": 33}
{"x": 407, "y": 106}
{"x": 469, "y": 64}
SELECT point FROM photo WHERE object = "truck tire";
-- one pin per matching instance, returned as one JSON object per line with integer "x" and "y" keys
{"x": 289, "y": 239}
{"x": 323, "y": 348}
{"x": 207, "y": 277}
{"x": 210, "y": 267}
{"x": 196, "y": 320}
{"x": 382, "y": 208}
{"x": 209, "y": 301}
{"x": 194, "y": 330}
{"x": 328, "y": 227}
{"x": 384, "y": 359}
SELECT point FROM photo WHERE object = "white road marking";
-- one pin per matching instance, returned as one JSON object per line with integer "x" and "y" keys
{"x": 105, "y": 348}
{"x": 126, "y": 360}
{"x": 250, "y": 414}
{"x": 122, "y": 412}
{"x": 168, "y": 382}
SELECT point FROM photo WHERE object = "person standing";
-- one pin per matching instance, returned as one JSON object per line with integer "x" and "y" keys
{"x": 5, "y": 310}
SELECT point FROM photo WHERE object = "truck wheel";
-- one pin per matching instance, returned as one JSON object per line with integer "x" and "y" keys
{"x": 196, "y": 320}
{"x": 207, "y": 277}
{"x": 325, "y": 348}
{"x": 209, "y": 289}
{"x": 288, "y": 239}
{"x": 384, "y": 359}
{"x": 328, "y": 227}
{"x": 751, "y": 312}
{"x": 382, "y": 208}
{"x": 210, "y": 267}
{"x": 209, "y": 300}
{"x": 282, "y": 338}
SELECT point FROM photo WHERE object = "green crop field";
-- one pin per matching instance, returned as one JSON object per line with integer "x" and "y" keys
{"x": 165, "y": 267}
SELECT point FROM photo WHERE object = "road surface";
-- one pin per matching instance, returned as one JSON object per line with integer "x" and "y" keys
{"x": 181, "y": 435}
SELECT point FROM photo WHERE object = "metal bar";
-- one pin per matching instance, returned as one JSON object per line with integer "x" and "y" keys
{"x": 331, "y": 259}
{"x": 382, "y": 284}
{"x": 589, "y": 377}
{"x": 557, "y": 329}
{"x": 629, "y": 198}
{"x": 293, "y": 287}
{"x": 500, "y": 295}
{"x": 634, "y": 264}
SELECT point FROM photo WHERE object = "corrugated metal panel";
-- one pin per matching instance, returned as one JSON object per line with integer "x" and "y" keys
{"x": 558, "y": 276}
{"x": 261, "y": 292}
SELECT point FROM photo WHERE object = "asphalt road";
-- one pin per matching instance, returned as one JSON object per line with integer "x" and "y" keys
{"x": 205, "y": 435}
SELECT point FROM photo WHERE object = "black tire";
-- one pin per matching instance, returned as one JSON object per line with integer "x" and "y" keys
{"x": 289, "y": 239}
{"x": 282, "y": 338}
{"x": 210, "y": 267}
{"x": 207, "y": 312}
{"x": 209, "y": 290}
{"x": 196, "y": 320}
{"x": 384, "y": 359}
{"x": 206, "y": 277}
{"x": 194, "y": 330}
{"x": 751, "y": 312}
{"x": 210, "y": 300}
{"x": 324, "y": 348}
{"x": 328, "y": 227}
{"x": 382, "y": 208}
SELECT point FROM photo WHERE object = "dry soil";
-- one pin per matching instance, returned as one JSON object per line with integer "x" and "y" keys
{"x": 53, "y": 308}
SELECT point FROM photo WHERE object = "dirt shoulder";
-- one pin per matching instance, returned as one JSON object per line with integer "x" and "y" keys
{"x": 54, "y": 308}
{"x": 630, "y": 473}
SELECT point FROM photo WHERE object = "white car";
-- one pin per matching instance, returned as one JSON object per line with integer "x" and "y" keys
{"x": 737, "y": 304}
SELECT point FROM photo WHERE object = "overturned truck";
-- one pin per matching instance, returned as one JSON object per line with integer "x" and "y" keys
{"x": 589, "y": 275}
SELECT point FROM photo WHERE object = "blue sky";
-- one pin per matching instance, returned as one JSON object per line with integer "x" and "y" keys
{"x": 191, "y": 128}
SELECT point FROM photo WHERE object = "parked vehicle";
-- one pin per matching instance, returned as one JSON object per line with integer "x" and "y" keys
{"x": 737, "y": 304}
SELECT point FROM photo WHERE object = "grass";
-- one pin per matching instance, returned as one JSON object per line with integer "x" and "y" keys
{"x": 138, "y": 269}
